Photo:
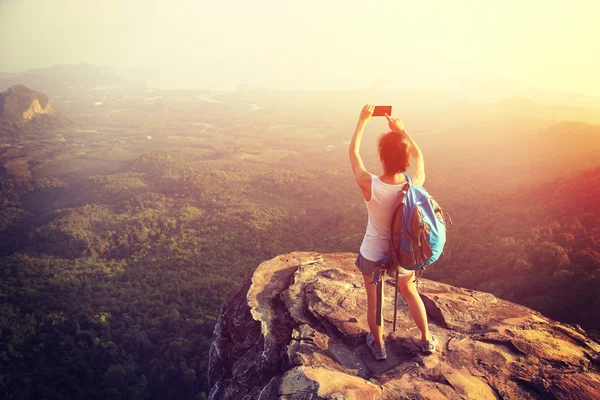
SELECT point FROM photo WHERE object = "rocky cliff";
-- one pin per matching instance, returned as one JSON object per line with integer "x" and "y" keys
{"x": 18, "y": 106}
{"x": 35, "y": 108}
{"x": 296, "y": 330}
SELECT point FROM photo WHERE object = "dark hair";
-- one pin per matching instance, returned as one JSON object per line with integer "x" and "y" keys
{"x": 394, "y": 152}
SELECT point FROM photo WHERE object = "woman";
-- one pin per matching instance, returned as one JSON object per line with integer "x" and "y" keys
{"x": 396, "y": 148}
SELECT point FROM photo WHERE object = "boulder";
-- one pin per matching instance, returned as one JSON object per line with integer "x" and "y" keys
{"x": 296, "y": 330}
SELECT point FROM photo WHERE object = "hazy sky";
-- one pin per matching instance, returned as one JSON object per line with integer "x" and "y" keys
{"x": 313, "y": 44}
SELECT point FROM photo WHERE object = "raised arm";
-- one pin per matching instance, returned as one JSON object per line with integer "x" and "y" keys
{"x": 363, "y": 177}
{"x": 416, "y": 154}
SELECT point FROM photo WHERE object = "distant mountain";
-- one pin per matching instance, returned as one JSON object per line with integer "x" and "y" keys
{"x": 23, "y": 110}
{"x": 572, "y": 137}
{"x": 486, "y": 88}
{"x": 59, "y": 79}
{"x": 559, "y": 149}
{"x": 531, "y": 108}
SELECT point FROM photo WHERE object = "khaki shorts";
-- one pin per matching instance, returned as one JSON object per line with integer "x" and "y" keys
{"x": 367, "y": 267}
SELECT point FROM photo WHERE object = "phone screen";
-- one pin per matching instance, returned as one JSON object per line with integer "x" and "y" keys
{"x": 380, "y": 111}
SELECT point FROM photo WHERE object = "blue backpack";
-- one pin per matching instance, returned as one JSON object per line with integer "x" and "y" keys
{"x": 423, "y": 229}
{"x": 421, "y": 242}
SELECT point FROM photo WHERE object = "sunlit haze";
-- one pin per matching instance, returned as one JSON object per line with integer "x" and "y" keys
{"x": 433, "y": 45}
{"x": 197, "y": 196}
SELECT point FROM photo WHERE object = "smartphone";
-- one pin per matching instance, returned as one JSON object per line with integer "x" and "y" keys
{"x": 380, "y": 111}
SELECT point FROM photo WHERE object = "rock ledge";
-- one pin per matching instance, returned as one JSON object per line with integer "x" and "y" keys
{"x": 296, "y": 330}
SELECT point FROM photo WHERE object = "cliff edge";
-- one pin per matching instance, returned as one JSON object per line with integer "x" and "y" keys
{"x": 296, "y": 330}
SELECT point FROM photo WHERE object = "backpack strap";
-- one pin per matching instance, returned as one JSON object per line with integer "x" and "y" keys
{"x": 392, "y": 249}
{"x": 397, "y": 210}
{"x": 392, "y": 245}
{"x": 408, "y": 178}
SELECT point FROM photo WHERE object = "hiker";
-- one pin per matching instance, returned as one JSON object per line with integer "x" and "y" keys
{"x": 396, "y": 150}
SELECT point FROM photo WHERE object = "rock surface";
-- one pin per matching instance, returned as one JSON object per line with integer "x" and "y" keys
{"x": 35, "y": 108}
{"x": 296, "y": 330}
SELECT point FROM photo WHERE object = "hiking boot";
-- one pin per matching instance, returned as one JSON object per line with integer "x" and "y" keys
{"x": 429, "y": 346}
{"x": 380, "y": 354}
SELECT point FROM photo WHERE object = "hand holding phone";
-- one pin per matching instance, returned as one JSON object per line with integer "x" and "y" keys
{"x": 381, "y": 111}
{"x": 395, "y": 124}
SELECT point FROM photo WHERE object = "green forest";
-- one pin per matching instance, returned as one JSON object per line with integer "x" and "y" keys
{"x": 115, "y": 266}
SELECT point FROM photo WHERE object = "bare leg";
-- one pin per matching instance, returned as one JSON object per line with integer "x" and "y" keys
{"x": 416, "y": 308}
{"x": 376, "y": 330}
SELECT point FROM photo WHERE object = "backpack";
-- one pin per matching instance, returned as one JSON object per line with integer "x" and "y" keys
{"x": 423, "y": 229}
{"x": 421, "y": 241}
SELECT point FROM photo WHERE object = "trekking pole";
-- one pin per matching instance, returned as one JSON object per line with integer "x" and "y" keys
{"x": 418, "y": 282}
{"x": 379, "y": 315}
{"x": 395, "y": 300}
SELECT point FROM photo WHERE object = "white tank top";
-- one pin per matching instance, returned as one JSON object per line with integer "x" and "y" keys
{"x": 384, "y": 198}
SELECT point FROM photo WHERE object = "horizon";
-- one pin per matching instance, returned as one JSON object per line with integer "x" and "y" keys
{"x": 520, "y": 91}
{"x": 271, "y": 46}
